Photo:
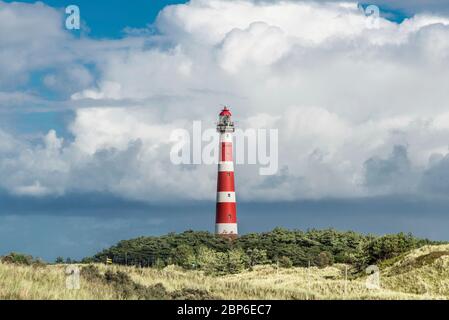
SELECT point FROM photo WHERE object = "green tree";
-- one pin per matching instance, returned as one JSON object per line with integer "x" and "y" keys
{"x": 159, "y": 263}
{"x": 184, "y": 256}
{"x": 299, "y": 246}
{"x": 237, "y": 261}
{"x": 59, "y": 260}
{"x": 257, "y": 256}
{"x": 208, "y": 260}
{"x": 389, "y": 246}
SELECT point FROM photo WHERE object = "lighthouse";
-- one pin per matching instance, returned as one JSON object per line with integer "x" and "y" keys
{"x": 226, "y": 215}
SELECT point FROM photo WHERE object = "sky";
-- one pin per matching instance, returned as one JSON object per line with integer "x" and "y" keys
{"x": 86, "y": 117}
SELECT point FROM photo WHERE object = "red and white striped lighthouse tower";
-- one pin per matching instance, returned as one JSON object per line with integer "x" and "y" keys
{"x": 226, "y": 219}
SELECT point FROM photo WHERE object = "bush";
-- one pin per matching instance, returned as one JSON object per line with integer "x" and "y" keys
{"x": 59, "y": 260}
{"x": 219, "y": 263}
{"x": 237, "y": 261}
{"x": 160, "y": 263}
{"x": 285, "y": 262}
{"x": 127, "y": 288}
{"x": 257, "y": 256}
{"x": 324, "y": 259}
{"x": 184, "y": 256}
{"x": 91, "y": 273}
{"x": 210, "y": 261}
{"x": 192, "y": 294}
{"x": 123, "y": 285}
{"x": 389, "y": 246}
{"x": 22, "y": 259}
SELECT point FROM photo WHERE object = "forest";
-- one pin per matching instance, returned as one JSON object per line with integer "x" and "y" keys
{"x": 286, "y": 248}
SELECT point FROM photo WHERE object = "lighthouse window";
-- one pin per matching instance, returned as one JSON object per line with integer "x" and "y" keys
{"x": 229, "y": 195}
{"x": 229, "y": 216}
{"x": 229, "y": 174}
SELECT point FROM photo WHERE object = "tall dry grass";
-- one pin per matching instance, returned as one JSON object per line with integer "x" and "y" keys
{"x": 422, "y": 274}
{"x": 45, "y": 283}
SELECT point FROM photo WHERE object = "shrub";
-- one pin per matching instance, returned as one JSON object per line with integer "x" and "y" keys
{"x": 285, "y": 262}
{"x": 210, "y": 261}
{"x": 389, "y": 246}
{"x": 59, "y": 260}
{"x": 160, "y": 263}
{"x": 127, "y": 288}
{"x": 22, "y": 259}
{"x": 123, "y": 285}
{"x": 91, "y": 273}
{"x": 324, "y": 259}
{"x": 257, "y": 256}
{"x": 192, "y": 294}
{"x": 184, "y": 256}
{"x": 237, "y": 261}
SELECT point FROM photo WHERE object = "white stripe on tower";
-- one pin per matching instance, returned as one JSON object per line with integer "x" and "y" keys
{"x": 226, "y": 229}
{"x": 226, "y": 137}
{"x": 225, "y": 166}
{"x": 226, "y": 196}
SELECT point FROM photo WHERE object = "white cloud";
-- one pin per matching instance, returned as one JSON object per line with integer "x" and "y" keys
{"x": 259, "y": 44}
{"x": 35, "y": 190}
{"x": 107, "y": 90}
{"x": 30, "y": 38}
{"x": 344, "y": 96}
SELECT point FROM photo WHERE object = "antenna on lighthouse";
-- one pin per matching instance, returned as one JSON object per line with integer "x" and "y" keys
{"x": 226, "y": 213}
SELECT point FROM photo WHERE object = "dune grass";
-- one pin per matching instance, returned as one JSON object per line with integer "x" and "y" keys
{"x": 421, "y": 274}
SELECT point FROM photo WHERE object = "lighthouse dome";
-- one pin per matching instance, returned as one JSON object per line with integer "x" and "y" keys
{"x": 225, "y": 112}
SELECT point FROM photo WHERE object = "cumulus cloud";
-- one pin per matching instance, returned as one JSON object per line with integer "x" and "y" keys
{"x": 360, "y": 111}
{"x": 393, "y": 172}
{"x": 31, "y": 38}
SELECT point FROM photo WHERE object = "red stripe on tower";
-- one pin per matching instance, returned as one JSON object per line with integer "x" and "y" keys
{"x": 226, "y": 218}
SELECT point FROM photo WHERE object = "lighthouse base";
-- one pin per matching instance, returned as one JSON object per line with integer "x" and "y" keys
{"x": 229, "y": 237}
{"x": 228, "y": 230}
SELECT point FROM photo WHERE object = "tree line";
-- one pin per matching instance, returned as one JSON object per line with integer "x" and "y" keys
{"x": 216, "y": 255}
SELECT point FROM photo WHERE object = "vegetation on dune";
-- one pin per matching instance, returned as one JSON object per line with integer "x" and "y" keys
{"x": 420, "y": 274}
{"x": 216, "y": 255}
{"x": 22, "y": 259}
{"x": 126, "y": 288}
{"x": 272, "y": 265}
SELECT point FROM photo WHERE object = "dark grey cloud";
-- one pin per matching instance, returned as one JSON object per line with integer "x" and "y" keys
{"x": 394, "y": 172}
{"x": 80, "y": 225}
{"x": 97, "y": 204}
{"x": 436, "y": 178}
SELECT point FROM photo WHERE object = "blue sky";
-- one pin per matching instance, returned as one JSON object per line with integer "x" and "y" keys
{"x": 85, "y": 118}
{"x": 108, "y": 18}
